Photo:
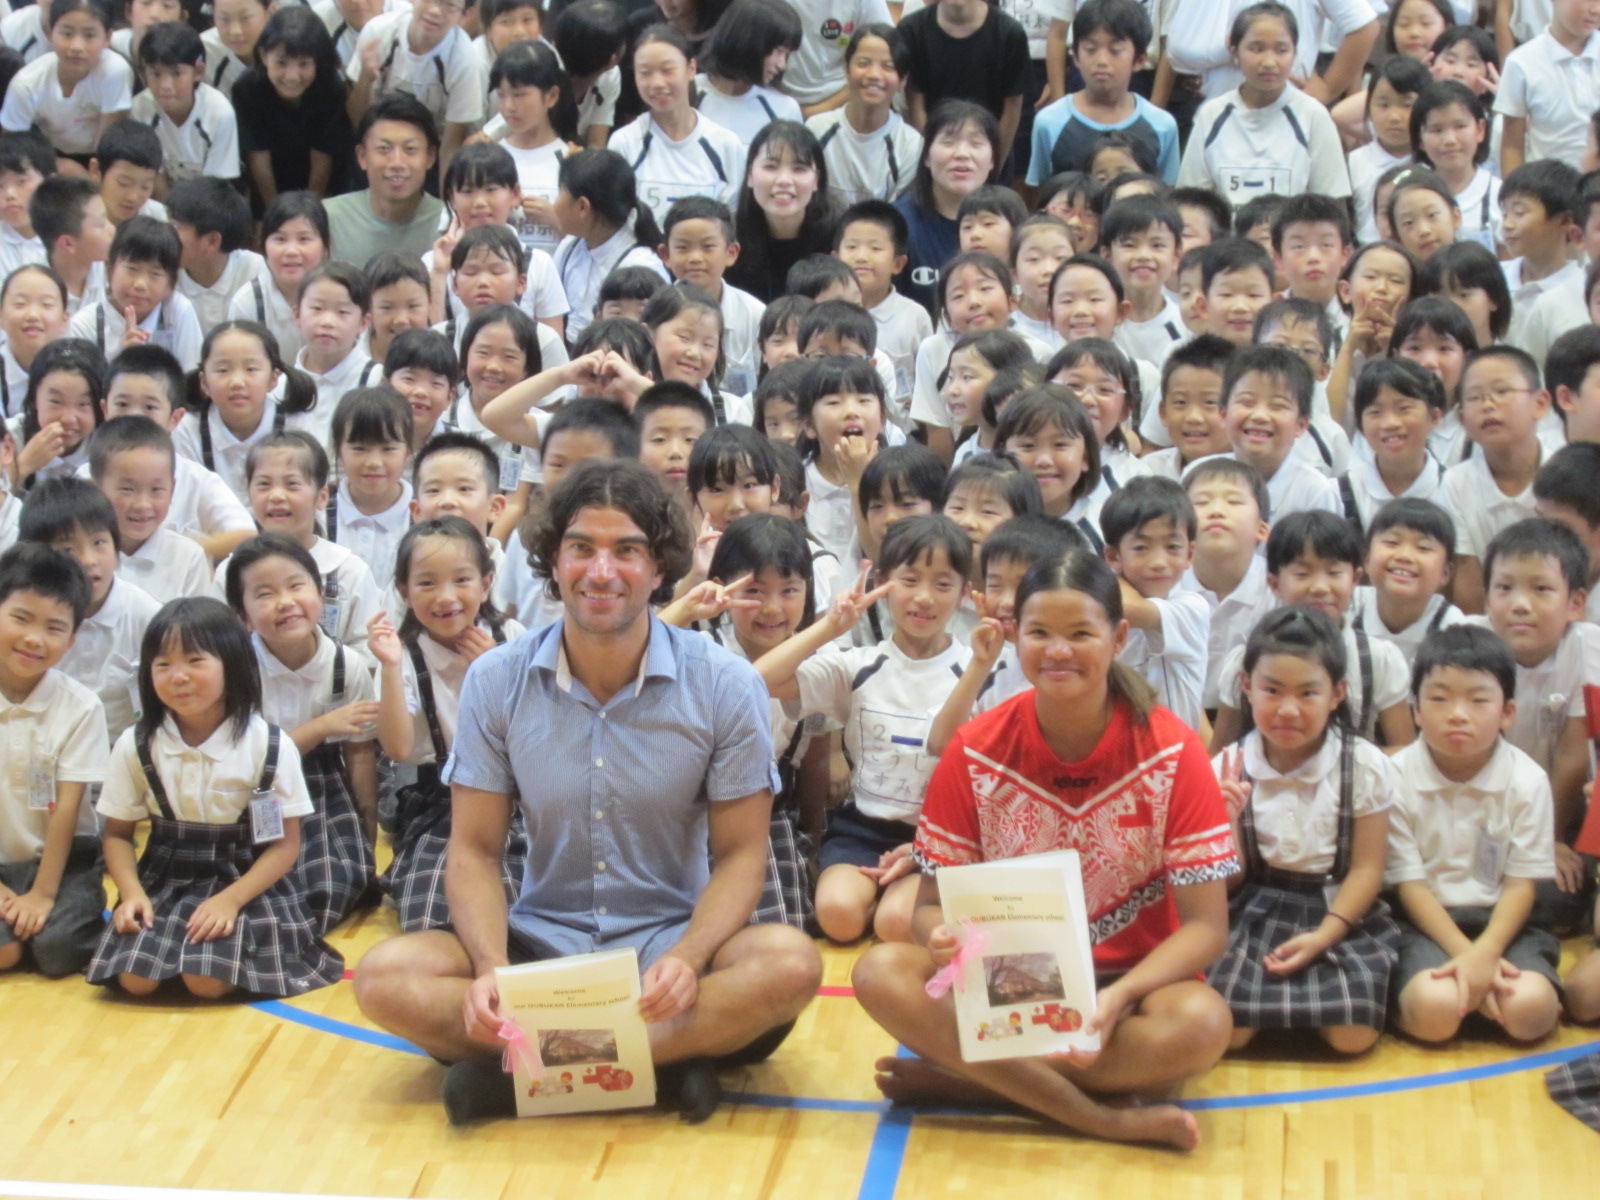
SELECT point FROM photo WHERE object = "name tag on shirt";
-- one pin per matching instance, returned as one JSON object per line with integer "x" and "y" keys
{"x": 266, "y": 817}
{"x": 41, "y": 788}
{"x": 330, "y": 617}
{"x": 510, "y": 472}
{"x": 1241, "y": 184}
{"x": 1488, "y": 859}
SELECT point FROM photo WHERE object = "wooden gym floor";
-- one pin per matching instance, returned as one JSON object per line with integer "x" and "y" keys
{"x": 109, "y": 1099}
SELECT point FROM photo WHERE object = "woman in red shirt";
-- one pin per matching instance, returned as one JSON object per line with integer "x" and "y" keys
{"x": 1086, "y": 761}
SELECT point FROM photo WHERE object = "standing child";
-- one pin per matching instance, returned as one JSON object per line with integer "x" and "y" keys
{"x": 743, "y": 61}
{"x": 672, "y": 416}
{"x": 132, "y": 461}
{"x": 1392, "y": 99}
{"x": 1266, "y": 135}
{"x": 842, "y": 422}
{"x": 1564, "y": 491}
{"x": 1310, "y": 945}
{"x": 231, "y": 41}
{"x": 871, "y": 151}
{"x": 213, "y": 224}
{"x": 1549, "y": 88}
{"x": 370, "y": 511}
{"x": 214, "y": 899}
{"x": 699, "y": 248}
{"x": 232, "y": 403}
{"x": 73, "y": 516}
{"x": 1053, "y": 436}
{"x": 141, "y": 302}
{"x": 1191, "y": 405}
{"x": 76, "y": 92}
{"x": 1410, "y": 551}
{"x": 1471, "y": 841}
{"x": 51, "y": 896}
{"x": 866, "y": 878}
{"x": 444, "y": 576}
{"x": 1150, "y": 527}
{"x": 195, "y": 122}
{"x": 530, "y": 84}
{"x": 60, "y": 409}
{"x": 1451, "y": 133}
{"x": 323, "y": 700}
{"x": 294, "y": 240}
{"x": 33, "y": 313}
{"x": 68, "y": 215}
{"x": 332, "y": 311}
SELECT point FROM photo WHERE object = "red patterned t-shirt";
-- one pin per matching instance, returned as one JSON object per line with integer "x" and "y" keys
{"x": 1144, "y": 810}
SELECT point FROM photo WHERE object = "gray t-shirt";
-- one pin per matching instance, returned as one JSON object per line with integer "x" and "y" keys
{"x": 358, "y": 234}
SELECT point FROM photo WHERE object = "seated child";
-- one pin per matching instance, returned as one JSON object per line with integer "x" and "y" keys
{"x": 699, "y": 247}
{"x": 1140, "y": 237}
{"x": 370, "y": 511}
{"x": 1236, "y": 282}
{"x": 1191, "y": 405}
{"x": 126, "y": 166}
{"x": 195, "y": 122}
{"x": 25, "y": 162}
{"x": 1266, "y": 406}
{"x": 51, "y": 895}
{"x": 213, "y": 224}
{"x": 1398, "y": 404}
{"x": 422, "y": 366}
{"x": 131, "y": 459}
{"x": 60, "y": 409}
{"x": 625, "y": 292}
{"x": 1149, "y": 526}
{"x": 1410, "y": 551}
{"x": 68, "y": 215}
{"x": 141, "y": 302}
{"x": 1470, "y": 839}
{"x": 332, "y": 312}
{"x": 896, "y": 483}
{"x": 672, "y": 417}
{"x": 843, "y": 327}
{"x": 454, "y": 475}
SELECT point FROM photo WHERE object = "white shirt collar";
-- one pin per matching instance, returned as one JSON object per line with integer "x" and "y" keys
{"x": 1493, "y": 780}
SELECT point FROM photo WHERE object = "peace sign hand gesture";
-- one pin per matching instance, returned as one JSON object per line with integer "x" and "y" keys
{"x": 848, "y": 607}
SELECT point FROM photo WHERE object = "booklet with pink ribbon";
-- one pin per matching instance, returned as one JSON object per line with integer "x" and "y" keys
{"x": 575, "y": 1041}
{"x": 1024, "y": 976}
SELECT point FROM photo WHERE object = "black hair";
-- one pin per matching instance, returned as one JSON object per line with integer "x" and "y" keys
{"x": 907, "y": 542}
{"x": 1278, "y": 364}
{"x": 258, "y": 549}
{"x": 24, "y": 152}
{"x": 1007, "y": 384}
{"x": 624, "y": 484}
{"x": 74, "y": 356}
{"x": 627, "y": 337}
{"x": 1466, "y": 265}
{"x": 588, "y": 34}
{"x": 1538, "y": 537}
{"x": 1442, "y": 94}
{"x": 1142, "y": 153}
{"x": 1051, "y": 405}
{"x": 346, "y": 275}
{"x": 1076, "y": 185}
{"x": 698, "y": 208}
{"x": 1208, "y": 352}
{"x": 783, "y": 382}
{"x": 1526, "y": 366}
{"x": 298, "y": 441}
{"x": 535, "y": 65}
{"x": 299, "y": 390}
{"x": 1553, "y": 183}
{"x": 1218, "y": 213}
{"x": 1437, "y": 314}
{"x": 455, "y": 441}
{"x": 1467, "y": 648}
{"x": 875, "y": 212}
{"x": 1002, "y": 349}
{"x": 423, "y": 350}
{"x": 372, "y": 414}
{"x": 156, "y": 362}
{"x": 1300, "y": 631}
{"x": 1265, "y": 10}
{"x": 523, "y": 331}
{"x": 286, "y": 206}
{"x": 1034, "y": 223}
{"x": 500, "y": 241}
{"x": 1086, "y": 572}
{"x": 1123, "y": 20}
{"x": 1400, "y": 375}
{"x": 1324, "y": 534}
{"x": 1232, "y": 255}
{"x": 481, "y": 165}
{"x": 1263, "y": 210}
{"x": 38, "y": 269}
{"x": 629, "y": 283}
{"x": 121, "y": 434}
{"x": 100, "y": 10}
{"x": 907, "y": 472}
{"x": 132, "y": 142}
{"x": 899, "y": 52}
{"x": 1419, "y": 516}
{"x": 1108, "y": 356}
{"x": 671, "y": 394}
{"x": 725, "y": 452}
{"x": 791, "y": 475}
{"x": 836, "y": 376}
{"x": 210, "y": 205}
{"x": 1417, "y": 178}
{"x": 61, "y": 506}
{"x": 779, "y": 315}
{"x": 814, "y": 274}
{"x": 1568, "y": 478}
{"x": 672, "y": 302}
{"x": 1001, "y": 474}
{"x": 1439, "y": 6}
{"x": 757, "y": 542}
{"x": 170, "y": 44}
{"x": 457, "y": 529}
{"x": 57, "y": 207}
{"x": 1030, "y": 538}
{"x": 986, "y": 264}
{"x": 142, "y": 239}
{"x": 841, "y": 318}
{"x": 1228, "y": 469}
{"x": 1311, "y": 208}
{"x": 1140, "y": 214}
{"x": 952, "y": 114}
{"x": 31, "y": 567}
{"x": 996, "y": 199}
{"x": 1151, "y": 185}
{"x": 1143, "y": 499}
{"x": 748, "y": 32}
{"x": 1405, "y": 75}
{"x": 1569, "y": 361}
{"x": 392, "y": 267}
{"x": 403, "y": 108}
{"x": 604, "y": 417}
{"x": 1302, "y": 312}
{"x": 289, "y": 31}
{"x": 756, "y": 246}
{"x": 200, "y": 625}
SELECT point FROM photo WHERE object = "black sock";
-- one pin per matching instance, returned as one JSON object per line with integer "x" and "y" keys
{"x": 478, "y": 1090}
{"x": 691, "y": 1088}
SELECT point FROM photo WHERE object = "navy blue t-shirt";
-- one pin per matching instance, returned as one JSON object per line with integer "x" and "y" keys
{"x": 934, "y": 241}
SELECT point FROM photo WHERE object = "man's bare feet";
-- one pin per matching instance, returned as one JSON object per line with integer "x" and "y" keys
{"x": 918, "y": 1081}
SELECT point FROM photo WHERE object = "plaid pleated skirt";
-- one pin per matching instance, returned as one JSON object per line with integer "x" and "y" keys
{"x": 1576, "y": 1087}
{"x": 786, "y": 895}
{"x": 1347, "y": 985}
{"x": 415, "y": 879}
{"x": 275, "y": 948}
{"x": 336, "y": 860}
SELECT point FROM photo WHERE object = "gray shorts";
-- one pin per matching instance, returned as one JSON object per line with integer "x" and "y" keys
{"x": 72, "y": 930}
{"x": 1533, "y": 950}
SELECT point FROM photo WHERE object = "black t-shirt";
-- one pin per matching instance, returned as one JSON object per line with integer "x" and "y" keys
{"x": 289, "y": 132}
{"x": 988, "y": 68}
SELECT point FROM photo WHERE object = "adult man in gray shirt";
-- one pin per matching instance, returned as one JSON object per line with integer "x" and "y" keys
{"x": 632, "y": 747}
{"x": 397, "y": 145}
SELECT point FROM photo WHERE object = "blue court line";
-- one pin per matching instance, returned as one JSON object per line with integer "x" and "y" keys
{"x": 344, "y": 1029}
{"x": 887, "y": 1154}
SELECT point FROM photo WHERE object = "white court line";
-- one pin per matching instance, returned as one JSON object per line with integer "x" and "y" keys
{"x": 93, "y": 1191}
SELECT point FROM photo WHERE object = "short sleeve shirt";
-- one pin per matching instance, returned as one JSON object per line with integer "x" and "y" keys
{"x": 57, "y": 734}
{"x": 942, "y": 66}
{"x": 1144, "y": 809}
{"x": 69, "y": 123}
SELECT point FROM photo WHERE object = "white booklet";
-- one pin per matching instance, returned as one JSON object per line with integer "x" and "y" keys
{"x": 583, "y": 1046}
{"x": 1026, "y": 984}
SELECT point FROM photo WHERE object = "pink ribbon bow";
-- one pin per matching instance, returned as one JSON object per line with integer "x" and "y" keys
{"x": 975, "y": 943}
{"x": 518, "y": 1046}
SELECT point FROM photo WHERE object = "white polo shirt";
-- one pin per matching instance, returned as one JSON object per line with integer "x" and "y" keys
{"x": 23, "y": 30}
{"x": 1556, "y": 90}
{"x": 1370, "y": 493}
{"x": 17, "y": 251}
{"x": 104, "y": 657}
{"x": 1439, "y": 614}
{"x": 446, "y": 671}
{"x": 10, "y": 514}
{"x": 292, "y": 698}
{"x": 350, "y": 372}
{"x": 1391, "y": 679}
{"x": 903, "y": 325}
{"x": 171, "y": 325}
{"x": 1232, "y": 618}
{"x": 211, "y": 783}
{"x": 207, "y": 144}
{"x": 211, "y": 303}
{"x": 224, "y": 68}
{"x": 708, "y": 162}
{"x": 880, "y": 165}
{"x": 582, "y": 270}
{"x": 373, "y": 538}
{"x": 741, "y": 338}
{"x": 1173, "y": 657}
{"x": 169, "y": 566}
{"x": 69, "y": 123}
{"x": 1478, "y": 506}
{"x": 450, "y": 79}
{"x": 1464, "y": 839}
{"x": 228, "y": 452}
{"x": 260, "y": 300}
{"x": 1297, "y": 486}
{"x": 58, "y": 734}
{"x": 539, "y": 175}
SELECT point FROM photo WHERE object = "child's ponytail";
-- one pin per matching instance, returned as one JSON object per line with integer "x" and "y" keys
{"x": 605, "y": 179}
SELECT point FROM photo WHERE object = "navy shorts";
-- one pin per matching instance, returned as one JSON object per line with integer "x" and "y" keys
{"x": 855, "y": 838}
